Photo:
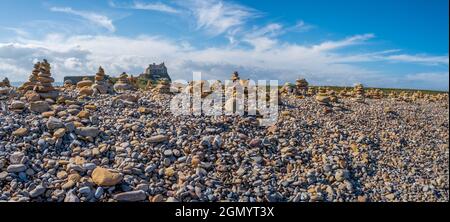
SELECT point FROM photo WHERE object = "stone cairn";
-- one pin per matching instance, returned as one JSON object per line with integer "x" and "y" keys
{"x": 44, "y": 85}
{"x": 322, "y": 97}
{"x": 84, "y": 87}
{"x": 39, "y": 85}
{"x": 311, "y": 91}
{"x": 123, "y": 83}
{"x": 287, "y": 89}
{"x": 302, "y": 87}
{"x": 101, "y": 86}
{"x": 68, "y": 84}
{"x": 5, "y": 83}
{"x": 333, "y": 96}
{"x": 235, "y": 76}
{"x": 163, "y": 87}
{"x": 375, "y": 94}
{"x": 358, "y": 93}
{"x": 32, "y": 79}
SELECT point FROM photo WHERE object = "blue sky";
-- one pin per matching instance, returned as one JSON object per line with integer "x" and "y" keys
{"x": 384, "y": 43}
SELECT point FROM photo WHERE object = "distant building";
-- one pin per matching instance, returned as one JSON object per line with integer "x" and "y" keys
{"x": 156, "y": 72}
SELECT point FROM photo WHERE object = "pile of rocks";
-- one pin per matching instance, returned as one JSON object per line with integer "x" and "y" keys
{"x": 39, "y": 84}
{"x": 32, "y": 79}
{"x": 322, "y": 97}
{"x": 123, "y": 83}
{"x": 358, "y": 93}
{"x": 301, "y": 87}
{"x": 163, "y": 87}
{"x": 5, "y": 83}
{"x": 311, "y": 91}
{"x": 68, "y": 85}
{"x": 84, "y": 87}
{"x": 287, "y": 89}
{"x": 375, "y": 94}
{"x": 101, "y": 86}
{"x": 44, "y": 85}
{"x": 333, "y": 96}
{"x": 235, "y": 76}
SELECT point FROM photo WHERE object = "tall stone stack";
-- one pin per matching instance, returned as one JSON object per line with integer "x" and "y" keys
{"x": 302, "y": 87}
{"x": 123, "y": 83}
{"x": 358, "y": 93}
{"x": 32, "y": 79}
{"x": 163, "y": 87}
{"x": 235, "y": 76}
{"x": 43, "y": 82}
{"x": 322, "y": 97}
{"x": 101, "y": 86}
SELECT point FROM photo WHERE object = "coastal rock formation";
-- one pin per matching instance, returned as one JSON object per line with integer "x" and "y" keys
{"x": 163, "y": 87}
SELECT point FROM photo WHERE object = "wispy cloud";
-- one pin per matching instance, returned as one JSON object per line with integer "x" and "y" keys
{"x": 353, "y": 40}
{"x": 218, "y": 17}
{"x": 151, "y": 6}
{"x": 301, "y": 26}
{"x": 423, "y": 59}
{"x": 100, "y": 20}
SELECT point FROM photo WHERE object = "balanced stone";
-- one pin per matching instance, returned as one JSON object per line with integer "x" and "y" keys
{"x": 123, "y": 83}
{"x": 322, "y": 97}
{"x": 101, "y": 86}
{"x": 358, "y": 93}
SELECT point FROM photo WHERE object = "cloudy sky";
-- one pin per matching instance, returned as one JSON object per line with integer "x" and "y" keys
{"x": 383, "y": 43}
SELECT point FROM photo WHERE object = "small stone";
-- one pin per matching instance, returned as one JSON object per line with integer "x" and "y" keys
{"x": 157, "y": 139}
{"x": 98, "y": 192}
{"x": 20, "y": 132}
{"x": 157, "y": 198}
{"x": 39, "y": 190}
{"x": 16, "y": 157}
{"x": 71, "y": 197}
{"x": 87, "y": 131}
{"x": 131, "y": 196}
{"x": 59, "y": 133}
{"x": 39, "y": 106}
{"x": 16, "y": 168}
{"x": 106, "y": 177}
{"x": 169, "y": 171}
{"x": 54, "y": 123}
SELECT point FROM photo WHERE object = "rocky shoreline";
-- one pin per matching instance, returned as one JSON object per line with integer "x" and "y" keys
{"x": 115, "y": 148}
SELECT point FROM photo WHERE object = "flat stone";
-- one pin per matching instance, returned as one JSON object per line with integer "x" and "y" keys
{"x": 131, "y": 196}
{"x": 16, "y": 168}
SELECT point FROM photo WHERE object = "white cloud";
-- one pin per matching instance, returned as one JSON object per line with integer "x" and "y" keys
{"x": 423, "y": 59}
{"x": 81, "y": 55}
{"x": 153, "y": 6}
{"x": 218, "y": 17}
{"x": 158, "y": 6}
{"x": 100, "y": 20}
{"x": 353, "y": 40}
